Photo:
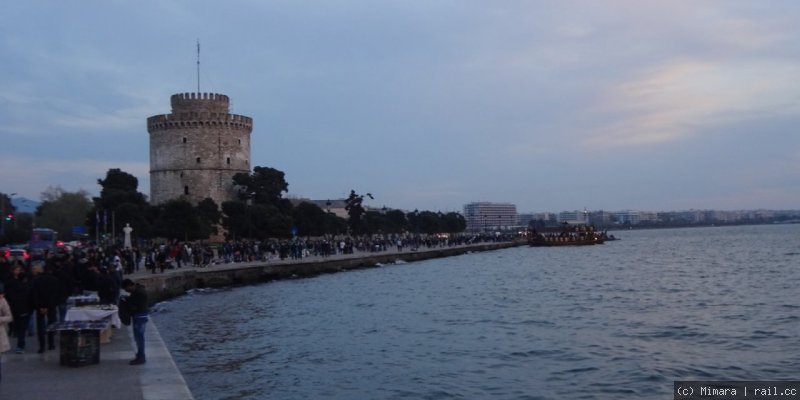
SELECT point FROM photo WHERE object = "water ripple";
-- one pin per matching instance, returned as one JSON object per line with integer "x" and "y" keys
{"x": 622, "y": 320}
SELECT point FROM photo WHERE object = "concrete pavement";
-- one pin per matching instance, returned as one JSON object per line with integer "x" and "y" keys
{"x": 40, "y": 376}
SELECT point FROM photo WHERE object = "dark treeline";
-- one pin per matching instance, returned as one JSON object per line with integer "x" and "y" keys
{"x": 260, "y": 212}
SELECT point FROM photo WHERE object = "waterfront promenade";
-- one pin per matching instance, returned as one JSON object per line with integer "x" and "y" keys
{"x": 36, "y": 376}
{"x": 176, "y": 281}
{"x": 40, "y": 376}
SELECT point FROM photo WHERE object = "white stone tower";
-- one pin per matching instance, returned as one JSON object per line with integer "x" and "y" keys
{"x": 197, "y": 149}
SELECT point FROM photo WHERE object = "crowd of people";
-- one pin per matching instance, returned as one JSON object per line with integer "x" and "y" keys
{"x": 37, "y": 290}
{"x": 161, "y": 256}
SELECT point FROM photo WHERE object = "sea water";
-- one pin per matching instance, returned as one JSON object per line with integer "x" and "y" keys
{"x": 620, "y": 320}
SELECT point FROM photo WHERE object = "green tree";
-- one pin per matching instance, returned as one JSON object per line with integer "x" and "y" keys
{"x": 430, "y": 223}
{"x": 118, "y": 187}
{"x": 269, "y": 222}
{"x": 61, "y": 210}
{"x": 141, "y": 219}
{"x": 396, "y": 221}
{"x": 309, "y": 219}
{"x": 179, "y": 219}
{"x": 454, "y": 222}
{"x": 356, "y": 211}
{"x": 413, "y": 221}
{"x": 235, "y": 219}
{"x": 255, "y": 221}
{"x": 210, "y": 215}
{"x": 335, "y": 225}
{"x": 373, "y": 222}
{"x": 121, "y": 202}
{"x": 264, "y": 185}
{"x": 393, "y": 221}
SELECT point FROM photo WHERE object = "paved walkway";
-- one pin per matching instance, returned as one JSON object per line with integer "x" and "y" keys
{"x": 33, "y": 376}
{"x": 221, "y": 266}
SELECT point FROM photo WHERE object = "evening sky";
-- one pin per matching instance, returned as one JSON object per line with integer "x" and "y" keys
{"x": 551, "y": 105}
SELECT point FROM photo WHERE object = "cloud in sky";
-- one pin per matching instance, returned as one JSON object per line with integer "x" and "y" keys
{"x": 690, "y": 97}
{"x": 550, "y": 105}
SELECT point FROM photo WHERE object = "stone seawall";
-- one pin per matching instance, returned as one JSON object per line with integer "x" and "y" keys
{"x": 176, "y": 282}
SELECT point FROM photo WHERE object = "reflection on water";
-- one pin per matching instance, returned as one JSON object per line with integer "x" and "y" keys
{"x": 621, "y": 320}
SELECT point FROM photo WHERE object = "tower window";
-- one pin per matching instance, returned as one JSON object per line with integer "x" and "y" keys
{"x": 229, "y": 161}
{"x": 240, "y": 141}
{"x": 198, "y": 160}
{"x": 185, "y": 190}
{"x": 184, "y": 140}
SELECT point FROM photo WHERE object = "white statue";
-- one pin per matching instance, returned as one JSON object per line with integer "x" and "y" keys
{"x": 127, "y": 229}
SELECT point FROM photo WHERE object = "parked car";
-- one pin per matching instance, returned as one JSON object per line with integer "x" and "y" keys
{"x": 18, "y": 255}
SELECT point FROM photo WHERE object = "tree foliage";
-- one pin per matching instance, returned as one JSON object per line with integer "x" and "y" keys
{"x": 61, "y": 210}
{"x": 430, "y": 222}
{"x": 210, "y": 215}
{"x": 265, "y": 185}
{"x": 309, "y": 219}
{"x": 256, "y": 221}
{"x": 235, "y": 219}
{"x": 118, "y": 187}
{"x": 120, "y": 201}
{"x": 355, "y": 209}
{"x": 179, "y": 219}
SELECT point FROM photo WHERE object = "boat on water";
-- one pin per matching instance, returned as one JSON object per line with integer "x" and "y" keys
{"x": 567, "y": 236}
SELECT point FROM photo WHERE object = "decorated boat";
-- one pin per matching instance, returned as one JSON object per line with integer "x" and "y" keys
{"x": 567, "y": 236}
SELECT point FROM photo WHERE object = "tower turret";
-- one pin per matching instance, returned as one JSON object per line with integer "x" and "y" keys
{"x": 197, "y": 148}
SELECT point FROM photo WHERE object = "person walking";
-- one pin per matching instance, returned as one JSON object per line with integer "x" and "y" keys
{"x": 136, "y": 305}
{"x": 5, "y": 318}
{"x": 18, "y": 296}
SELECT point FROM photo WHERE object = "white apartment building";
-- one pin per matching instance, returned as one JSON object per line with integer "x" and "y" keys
{"x": 486, "y": 216}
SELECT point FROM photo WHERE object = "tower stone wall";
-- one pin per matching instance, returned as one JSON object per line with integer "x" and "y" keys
{"x": 197, "y": 149}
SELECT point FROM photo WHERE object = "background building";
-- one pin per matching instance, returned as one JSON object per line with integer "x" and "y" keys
{"x": 485, "y": 216}
{"x": 197, "y": 149}
{"x": 573, "y": 217}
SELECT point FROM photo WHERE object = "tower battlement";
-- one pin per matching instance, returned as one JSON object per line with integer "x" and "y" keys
{"x": 193, "y": 119}
{"x": 212, "y": 102}
{"x": 197, "y": 149}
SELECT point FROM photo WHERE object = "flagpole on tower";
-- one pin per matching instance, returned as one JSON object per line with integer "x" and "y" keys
{"x": 198, "y": 65}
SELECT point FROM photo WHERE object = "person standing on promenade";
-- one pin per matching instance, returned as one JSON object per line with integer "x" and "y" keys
{"x": 5, "y": 318}
{"x": 18, "y": 295}
{"x": 107, "y": 287}
{"x": 45, "y": 292}
{"x": 136, "y": 304}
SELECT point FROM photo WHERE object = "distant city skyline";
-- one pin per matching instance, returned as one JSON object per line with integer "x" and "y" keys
{"x": 555, "y": 106}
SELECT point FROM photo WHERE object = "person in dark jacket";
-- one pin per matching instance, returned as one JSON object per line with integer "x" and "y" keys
{"x": 136, "y": 305}
{"x": 46, "y": 294}
{"x": 107, "y": 288}
{"x": 18, "y": 294}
